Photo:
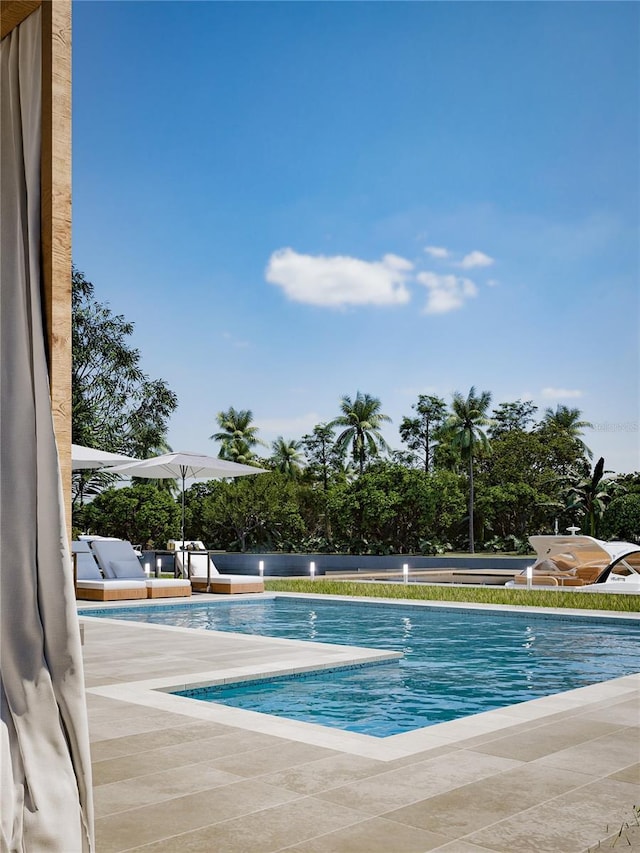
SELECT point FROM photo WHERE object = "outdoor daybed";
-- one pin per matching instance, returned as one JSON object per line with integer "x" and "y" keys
{"x": 91, "y": 586}
{"x": 118, "y": 560}
{"x": 194, "y": 561}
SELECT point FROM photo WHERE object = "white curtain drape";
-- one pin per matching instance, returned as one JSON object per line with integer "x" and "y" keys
{"x": 45, "y": 771}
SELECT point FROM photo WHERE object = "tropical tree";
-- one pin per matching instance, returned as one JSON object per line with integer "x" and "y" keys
{"x": 321, "y": 453}
{"x": 286, "y": 457}
{"x": 115, "y": 405}
{"x": 591, "y": 496}
{"x": 252, "y": 513}
{"x": 567, "y": 421}
{"x": 362, "y": 420}
{"x": 394, "y": 509}
{"x": 508, "y": 417}
{"x": 520, "y": 485}
{"x": 237, "y": 436}
{"x": 465, "y": 428}
{"x": 418, "y": 433}
{"x": 142, "y": 514}
{"x": 621, "y": 519}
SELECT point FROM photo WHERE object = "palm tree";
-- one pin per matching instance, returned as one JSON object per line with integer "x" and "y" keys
{"x": 464, "y": 427}
{"x": 568, "y": 421}
{"x": 237, "y": 436}
{"x": 287, "y": 457}
{"x": 362, "y": 420}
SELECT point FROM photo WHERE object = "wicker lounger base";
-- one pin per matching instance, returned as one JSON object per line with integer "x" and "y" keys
{"x": 226, "y": 586}
{"x": 169, "y": 591}
{"x": 110, "y": 594}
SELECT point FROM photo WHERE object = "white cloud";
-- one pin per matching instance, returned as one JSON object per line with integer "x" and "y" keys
{"x": 339, "y": 280}
{"x": 446, "y": 292}
{"x": 437, "y": 251}
{"x": 561, "y": 393}
{"x": 476, "y": 259}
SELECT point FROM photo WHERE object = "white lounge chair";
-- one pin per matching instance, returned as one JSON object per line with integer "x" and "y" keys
{"x": 118, "y": 560}
{"x": 193, "y": 560}
{"x": 91, "y": 586}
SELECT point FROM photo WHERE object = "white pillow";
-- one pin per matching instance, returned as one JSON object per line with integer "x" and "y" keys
{"x": 127, "y": 569}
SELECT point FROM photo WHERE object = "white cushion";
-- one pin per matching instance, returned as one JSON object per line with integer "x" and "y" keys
{"x": 199, "y": 564}
{"x": 129, "y": 569}
{"x": 110, "y": 584}
{"x": 236, "y": 579}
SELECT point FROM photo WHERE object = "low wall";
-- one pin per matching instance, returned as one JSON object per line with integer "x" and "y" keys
{"x": 296, "y": 565}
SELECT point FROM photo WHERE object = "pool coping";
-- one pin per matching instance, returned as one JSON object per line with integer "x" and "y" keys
{"x": 306, "y": 657}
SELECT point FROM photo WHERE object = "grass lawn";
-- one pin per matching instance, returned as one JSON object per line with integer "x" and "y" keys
{"x": 620, "y": 602}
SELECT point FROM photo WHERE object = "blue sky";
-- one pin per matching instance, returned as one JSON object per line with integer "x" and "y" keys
{"x": 294, "y": 201}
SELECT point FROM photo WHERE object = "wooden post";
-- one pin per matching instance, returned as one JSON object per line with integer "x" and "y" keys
{"x": 56, "y": 222}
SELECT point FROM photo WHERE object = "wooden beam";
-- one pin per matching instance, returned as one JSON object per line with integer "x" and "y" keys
{"x": 13, "y": 12}
{"x": 56, "y": 221}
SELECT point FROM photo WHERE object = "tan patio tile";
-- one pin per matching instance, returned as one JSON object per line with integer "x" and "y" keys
{"x": 283, "y": 754}
{"x": 628, "y": 774}
{"x": 145, "y": 824}
{"x": 545, "y": 740}
{"x": 374, "y": 835}
{"x": 462, "y": 846}
{"x": 386, "y": 791}
{"x": 125, "y": 718}
{"x": 324, "y": 773}
{"x": 459, "y": 812}
{"x": 602, "y": 756}
{"x": 425, "y": 755}
{"x": 178, "y": 755}
{"x": 571, "y": 823}
{"x": 156, "y": 787}
{"x": 626, "y": 713}
{"x": 166, "y": 736}
{"x": 266, "y": 831}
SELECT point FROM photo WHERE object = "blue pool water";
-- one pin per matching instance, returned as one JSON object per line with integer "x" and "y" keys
{"x": 456, "y": 661}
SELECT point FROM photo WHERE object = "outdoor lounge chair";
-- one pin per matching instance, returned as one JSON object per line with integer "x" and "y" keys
{"x": 559, "y": 571}
{"x": 91, "y": 586}
{"x": 193, "y": 562}
{"x": 117, "y": 559}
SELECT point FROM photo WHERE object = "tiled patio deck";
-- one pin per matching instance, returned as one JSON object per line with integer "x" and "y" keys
{"x": 559, "y": 774}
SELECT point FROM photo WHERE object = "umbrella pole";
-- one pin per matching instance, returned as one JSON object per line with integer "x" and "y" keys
{"x": 182, "y": 525}
{"x": 184, "y": 472}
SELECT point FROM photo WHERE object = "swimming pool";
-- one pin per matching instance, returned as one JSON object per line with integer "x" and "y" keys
{"x": 456, "y": 661}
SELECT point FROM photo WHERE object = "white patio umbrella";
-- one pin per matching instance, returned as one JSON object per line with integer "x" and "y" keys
{"x": 184, "y": 464}
{"x": 85, "y": 458}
